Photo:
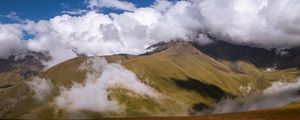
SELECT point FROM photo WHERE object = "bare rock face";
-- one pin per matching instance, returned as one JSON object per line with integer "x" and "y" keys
{"x": 27, "y": 63}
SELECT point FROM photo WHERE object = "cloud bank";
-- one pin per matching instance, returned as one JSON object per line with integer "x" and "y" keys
{"x": 259, "y": 23}
{"x": 93, "y": 95}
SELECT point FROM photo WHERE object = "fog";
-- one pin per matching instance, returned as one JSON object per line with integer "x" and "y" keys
{"x": 41, "y": 88}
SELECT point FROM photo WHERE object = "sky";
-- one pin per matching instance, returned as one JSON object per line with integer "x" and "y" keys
{"x": 66, "y": 28}
{"x": 46, "y": 9}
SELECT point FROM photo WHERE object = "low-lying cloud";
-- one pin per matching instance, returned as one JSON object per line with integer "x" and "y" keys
{"x": 93, "y": 94}
{"x": 279, "y": 94}
{"x": 41, "y": 87}
{"x": 259, "y": 23}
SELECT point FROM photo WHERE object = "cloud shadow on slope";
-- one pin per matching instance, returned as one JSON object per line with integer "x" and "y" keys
{"x": 206, "y": 90}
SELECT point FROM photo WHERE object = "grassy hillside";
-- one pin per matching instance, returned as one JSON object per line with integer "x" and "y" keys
{"x": 270, "y": 114}
{"x": 187, "y": 80}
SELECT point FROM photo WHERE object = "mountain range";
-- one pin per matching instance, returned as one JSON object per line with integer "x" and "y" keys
{"x": 177, "y": 78}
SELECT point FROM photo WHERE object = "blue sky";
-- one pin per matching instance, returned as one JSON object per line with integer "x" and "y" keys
{"x": 45, "y": 9}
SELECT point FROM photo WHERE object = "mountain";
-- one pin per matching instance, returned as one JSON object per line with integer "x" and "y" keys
{"x": 187, "y": 78}
{"x": 14, "y": 72}
{"x": 261, "y": 58}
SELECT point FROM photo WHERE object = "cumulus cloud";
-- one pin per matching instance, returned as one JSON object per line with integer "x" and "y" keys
{"x": 117, "y": 4}
{"x": 10, "y": 40}
{"x": 93, "y": 95}
{"x": 41, "y": 87}
{"x": 278, "y": 94}
{"x": 264, "y": 23}
{"x": 259, "y": 23}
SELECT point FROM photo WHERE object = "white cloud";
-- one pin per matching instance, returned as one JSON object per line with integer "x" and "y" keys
{"x": 162, "y": 5}
{"x": 74, "y": 12}
{"x": 278, "y": 94}
{"x": 41, "y": 87}
{"x": 98, "y": 34}
{"x": 93, "y": 94}
{"x": 117, "y": 4}
{"x": 12, "y": 16}
{"x": 10, "y": 40}
{"x": 263, "y": 23}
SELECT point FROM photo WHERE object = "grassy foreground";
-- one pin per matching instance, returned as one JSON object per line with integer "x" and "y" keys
{"x": 277, "y": 114}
